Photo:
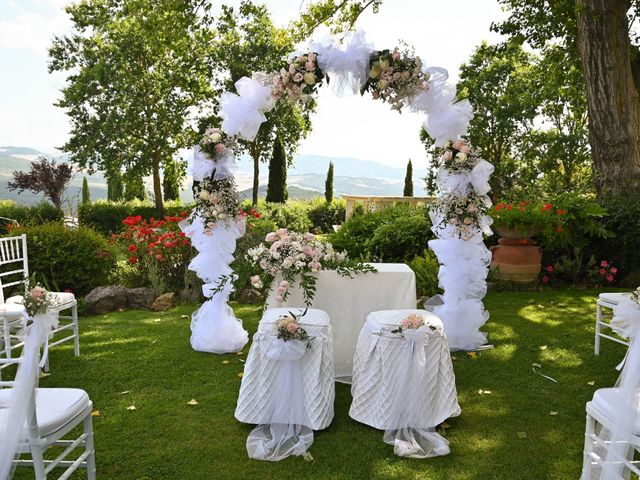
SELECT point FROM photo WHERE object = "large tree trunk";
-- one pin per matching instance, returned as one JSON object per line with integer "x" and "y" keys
{"x": 157, "y": 185}
{"x": 613, "y": 102}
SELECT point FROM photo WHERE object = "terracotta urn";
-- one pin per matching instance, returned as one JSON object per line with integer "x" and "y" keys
{"x": 516, "y": 258}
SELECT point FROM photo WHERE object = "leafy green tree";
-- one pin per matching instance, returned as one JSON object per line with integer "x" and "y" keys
{"x": 136, "y": 69}
{"x": 86, "y": 194}
{"x": 599, "y": 39}
{"x": 247, "y": 42}
{"x": 134, "y": 188}
{"x": 277, "y": 186}
{"x": 115, "y": 187}
{"x": 340, "y": 15}
{"x": 328, "y": 184}
{"x": 172, "y": 176}
{"x": 408, "y": 181}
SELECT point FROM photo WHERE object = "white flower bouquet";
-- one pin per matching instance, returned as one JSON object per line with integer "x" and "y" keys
{"x": 300, "y": 80}
{"x": 290, "y": 256}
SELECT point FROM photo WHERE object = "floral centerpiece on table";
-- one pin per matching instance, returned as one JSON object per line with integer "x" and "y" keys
{"x": 300, "y": 80}
{"x": 287, "y": 255}
{"x": 413, "y": 321}
{"x": 288, "y": 328}
{"x": 38, "y": 300}
{"x": 395, "y": 77}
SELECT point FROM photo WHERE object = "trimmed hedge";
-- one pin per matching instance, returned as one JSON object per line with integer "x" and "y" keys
{"x": 106, "y": 217}
{"x": 43, "y": 212}
{"x": 62, "y": 258}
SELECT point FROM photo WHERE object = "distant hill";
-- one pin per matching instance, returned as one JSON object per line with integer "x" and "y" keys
{"x": 306, "y": 177}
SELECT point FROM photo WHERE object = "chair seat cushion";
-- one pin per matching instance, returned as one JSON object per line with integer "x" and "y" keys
{"x": 395, "y": 317}
{"x": 605, "y": 400}
{"x": 612, "y": 298}
{"x": 61, "y": 298}
{"x": 312, "y": 317}
{"x": 11, "y": 312}
{"x": 55, "y": 407}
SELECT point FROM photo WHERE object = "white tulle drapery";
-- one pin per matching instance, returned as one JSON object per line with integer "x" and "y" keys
{"x": 243, "y": 113}
{"x": 13, "y": 432}
{"x": 623, "y": 406}
{"x": 214, "y": 326}
{"x": 345, "y": 62}
{"x": 464, "y": 261}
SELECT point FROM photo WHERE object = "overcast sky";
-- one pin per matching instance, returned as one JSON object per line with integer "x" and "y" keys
{"x": 444, "y": 33}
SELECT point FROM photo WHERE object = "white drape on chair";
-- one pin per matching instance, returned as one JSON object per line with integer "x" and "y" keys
{"x": 404, "y": 383}
{"x": 288, "y": 387}
{"x": 14, "y": 431}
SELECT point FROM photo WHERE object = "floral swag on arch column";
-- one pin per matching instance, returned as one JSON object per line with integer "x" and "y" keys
{"x": 397, "y": 77}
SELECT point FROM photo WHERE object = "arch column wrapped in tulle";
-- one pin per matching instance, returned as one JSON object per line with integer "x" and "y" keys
{"x": 214, "y": 326}
{"x": 288, "y": 388}
{"x": 404, "y": 383}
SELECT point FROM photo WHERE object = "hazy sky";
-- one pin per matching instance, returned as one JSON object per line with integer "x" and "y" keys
{"x": 444, "y": 33}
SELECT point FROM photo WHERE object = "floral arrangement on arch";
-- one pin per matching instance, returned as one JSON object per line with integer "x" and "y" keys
{"x": 300, "y": 80}
{"x": 459, "y": 156}
{"x": 395, "y": 77}
{"x": 157, "y": 249}
{"x": 215, "y": 143}
{"x": 466, "y": 214}
{"x": 215, "y": 201}
{"x": 290, "y": 256}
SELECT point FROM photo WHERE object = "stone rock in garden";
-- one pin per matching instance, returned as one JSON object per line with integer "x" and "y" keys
{"x": 106, "y": 299}
{"x": 140, "y": 297}
{"x": 165, "y": 302}
{"x": 250, "y": 296}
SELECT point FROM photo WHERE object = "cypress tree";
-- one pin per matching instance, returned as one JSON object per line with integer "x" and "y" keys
{"x": 277, "y": 187}
{"x": 86, "y": 195}
{"x": 328, "y": 184}
{"x": 114, "y": 187}
{"x": 408, "y": 181}
{"x": 134, "y": 188}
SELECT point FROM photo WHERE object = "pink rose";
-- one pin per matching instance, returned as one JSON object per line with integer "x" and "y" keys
{"x": 271, "y": 237}
{"x": 395, "y": 55}
{"x": 604, "y": 263}
{"x": 38, "y": 292}
{"x": 255, "y": 279}
{"x": 453, "y": 221}
{"x": 447, "y": 156}
{"x": 609, "y": 278}
{"x": 281, "y": 232}
{"x": 458, "y": 144}
{"x": 220, "y": 148}
{"x": 614, "y": 270}
{"x": 602, "y": 271}
{"x": 292, "y": 327}
{"x": 466, "y": 150}
{"x": 292, "y": 68}
{"x": 307, "y": 250}
{"x": 309, "y": 236}
{"x": 297, "y": 77}
{"x": 309, "y": 67}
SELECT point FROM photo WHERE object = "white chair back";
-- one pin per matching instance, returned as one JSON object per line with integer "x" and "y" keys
{"x": 14, "y": 264}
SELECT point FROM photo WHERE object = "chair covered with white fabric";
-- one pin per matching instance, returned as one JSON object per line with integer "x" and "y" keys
{"x": 604, "y": 306}
{"x": 403, "y": 382}
{"x": 612, "y": 434}
{"x": 34, "y": 419}
{"x": 14, "y": 272}
{"x": 288, "y": 387}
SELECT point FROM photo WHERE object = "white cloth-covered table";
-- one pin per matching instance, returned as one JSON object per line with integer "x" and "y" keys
{"x": 348, "y": 301}
{"x": 288, "y": 387}
{"x": 404, "y": 380}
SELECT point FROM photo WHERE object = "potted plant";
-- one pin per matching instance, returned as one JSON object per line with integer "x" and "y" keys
{"x": 516, "y": 257}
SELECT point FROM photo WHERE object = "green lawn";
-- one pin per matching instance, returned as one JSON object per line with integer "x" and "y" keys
{"x": 144, "y": 359}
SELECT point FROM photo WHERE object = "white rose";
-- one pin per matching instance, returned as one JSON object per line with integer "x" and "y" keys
{"x": 309, "y": 78}
{"x": 203, "y": 195}
{"x": 215, "y": 137}
{"x": 287, "y": 263}
{"x": 460, "y": 157}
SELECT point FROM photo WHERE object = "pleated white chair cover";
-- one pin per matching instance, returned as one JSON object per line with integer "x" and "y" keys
{"x": 404, "y": 383}
{"x": 288, "y": 387}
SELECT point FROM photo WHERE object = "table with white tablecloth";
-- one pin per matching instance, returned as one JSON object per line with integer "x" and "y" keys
{"x": 348, "y": 301}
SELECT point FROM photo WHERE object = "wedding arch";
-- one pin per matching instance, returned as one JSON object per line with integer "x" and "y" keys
{"x": 397, "y": 77}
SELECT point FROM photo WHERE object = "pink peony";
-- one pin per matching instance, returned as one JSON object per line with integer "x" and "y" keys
{"x": 220, "y": 148}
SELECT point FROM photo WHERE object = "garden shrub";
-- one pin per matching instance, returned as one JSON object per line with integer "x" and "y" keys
{"x": 107, "y": 217}
{"x": 291, "y": 215}
{"x": 43, "y": 212}
{"x": 324, "y": 216}
{"x": 62, "y": 258}
{"x": 426, "y": 268}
